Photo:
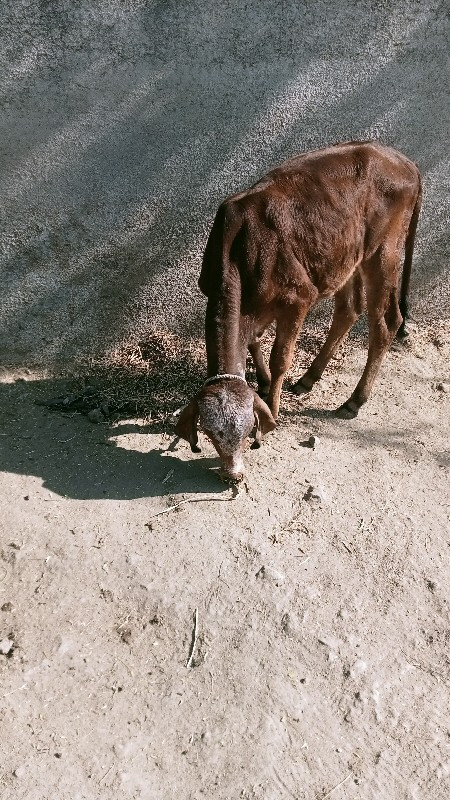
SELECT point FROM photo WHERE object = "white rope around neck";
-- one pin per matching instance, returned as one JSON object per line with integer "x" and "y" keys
{"x": 226, "y": 375}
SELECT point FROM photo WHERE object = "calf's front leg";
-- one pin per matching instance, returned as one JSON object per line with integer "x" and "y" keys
{"x": 288, "y": 328}
{"x": 262, "y": 371}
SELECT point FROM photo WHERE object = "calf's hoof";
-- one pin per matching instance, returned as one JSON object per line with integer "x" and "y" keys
{"x": 303, "y": 386}
{"x": 348, "y": 410}
{"x": 402, "y": 334}
{"x": 263, "y": 392}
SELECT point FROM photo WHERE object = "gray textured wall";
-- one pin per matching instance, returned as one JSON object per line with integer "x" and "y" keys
{"x": 124, "y": 123}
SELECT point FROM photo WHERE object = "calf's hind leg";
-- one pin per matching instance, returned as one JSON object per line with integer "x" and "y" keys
{"x": 348, "y": 306}
{"x": 385, "y": 318}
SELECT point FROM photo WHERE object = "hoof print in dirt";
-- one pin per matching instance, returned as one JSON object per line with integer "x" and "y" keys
{"x": 124, "y": 632}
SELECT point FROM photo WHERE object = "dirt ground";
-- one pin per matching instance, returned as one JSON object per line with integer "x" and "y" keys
{"x": 162, "y": 638}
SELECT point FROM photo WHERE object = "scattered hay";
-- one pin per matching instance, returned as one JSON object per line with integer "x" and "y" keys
{"x": 152, "y": 378}
{"x": 149, "y": 379}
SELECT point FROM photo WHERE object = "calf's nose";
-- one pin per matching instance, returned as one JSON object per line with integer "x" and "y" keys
{"x": 232, "y": 477}
{"x": 232, "y": 468}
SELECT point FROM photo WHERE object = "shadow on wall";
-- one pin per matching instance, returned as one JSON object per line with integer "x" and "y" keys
{"x": 127, "y": 124}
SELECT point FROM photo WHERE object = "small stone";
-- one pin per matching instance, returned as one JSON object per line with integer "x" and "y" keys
{"x": 6, "y": 647}
{"x": 329, "y": 641}
{"x": 27, "y": 497}
{"x": 125, "y": 634}
{"x": 125, "y": 750}
{"x": 443, "y": 387}
{"x": 317, "y": 494}
{"x": 289, "y": 624}
{"x": 90, "y": 389}
{"x": 358, "y": 668}
{"x": 270, "y": 574}
{"x": 7, "y": 606}
{"x": 20, "y": 772}
{"x": 96, "y": 415}
{"x": 65, "y": 646}
{"x": 313, "y": 442}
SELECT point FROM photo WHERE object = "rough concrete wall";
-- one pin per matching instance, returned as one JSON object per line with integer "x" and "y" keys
{"x": 124, "y": 123}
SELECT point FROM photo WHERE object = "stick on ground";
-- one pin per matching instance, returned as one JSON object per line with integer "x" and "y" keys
{"x": 328, "y": 794}
{"x": 195, "y": 500}
{"x": 194, "y": 640}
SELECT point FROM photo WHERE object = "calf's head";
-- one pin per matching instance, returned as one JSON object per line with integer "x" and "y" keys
{"x": 227, "y": 410}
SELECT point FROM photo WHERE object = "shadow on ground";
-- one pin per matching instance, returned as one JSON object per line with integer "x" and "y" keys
{"x": 122, "y": 458}
{"x": 78, "y": 459}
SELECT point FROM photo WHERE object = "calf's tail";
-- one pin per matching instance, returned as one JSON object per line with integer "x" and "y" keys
{"x": 406, "y": 276}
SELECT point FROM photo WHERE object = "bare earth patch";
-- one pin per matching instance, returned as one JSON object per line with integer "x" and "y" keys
{"x": 287, "y": 642}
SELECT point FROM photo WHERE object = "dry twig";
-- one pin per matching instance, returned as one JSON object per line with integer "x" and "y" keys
{"x": 194, "y": 639}
{"x": 107, "y": 773}
{"x": 171, "y": 508}
{"x": 324, "y": 796}
{"x": 169, "y": 475}
{"x": 194, "y": 500}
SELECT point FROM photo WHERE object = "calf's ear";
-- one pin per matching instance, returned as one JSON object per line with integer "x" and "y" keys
{"x": 263, "y": 419}
{"x": 186, "y": 426}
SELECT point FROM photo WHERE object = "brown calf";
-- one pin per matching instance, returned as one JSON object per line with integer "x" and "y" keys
{"x": 332, "y": 222}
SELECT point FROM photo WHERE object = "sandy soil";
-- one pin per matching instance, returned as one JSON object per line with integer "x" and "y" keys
{"x": 319, "y": 668}
{"x": 314, "y": 618}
